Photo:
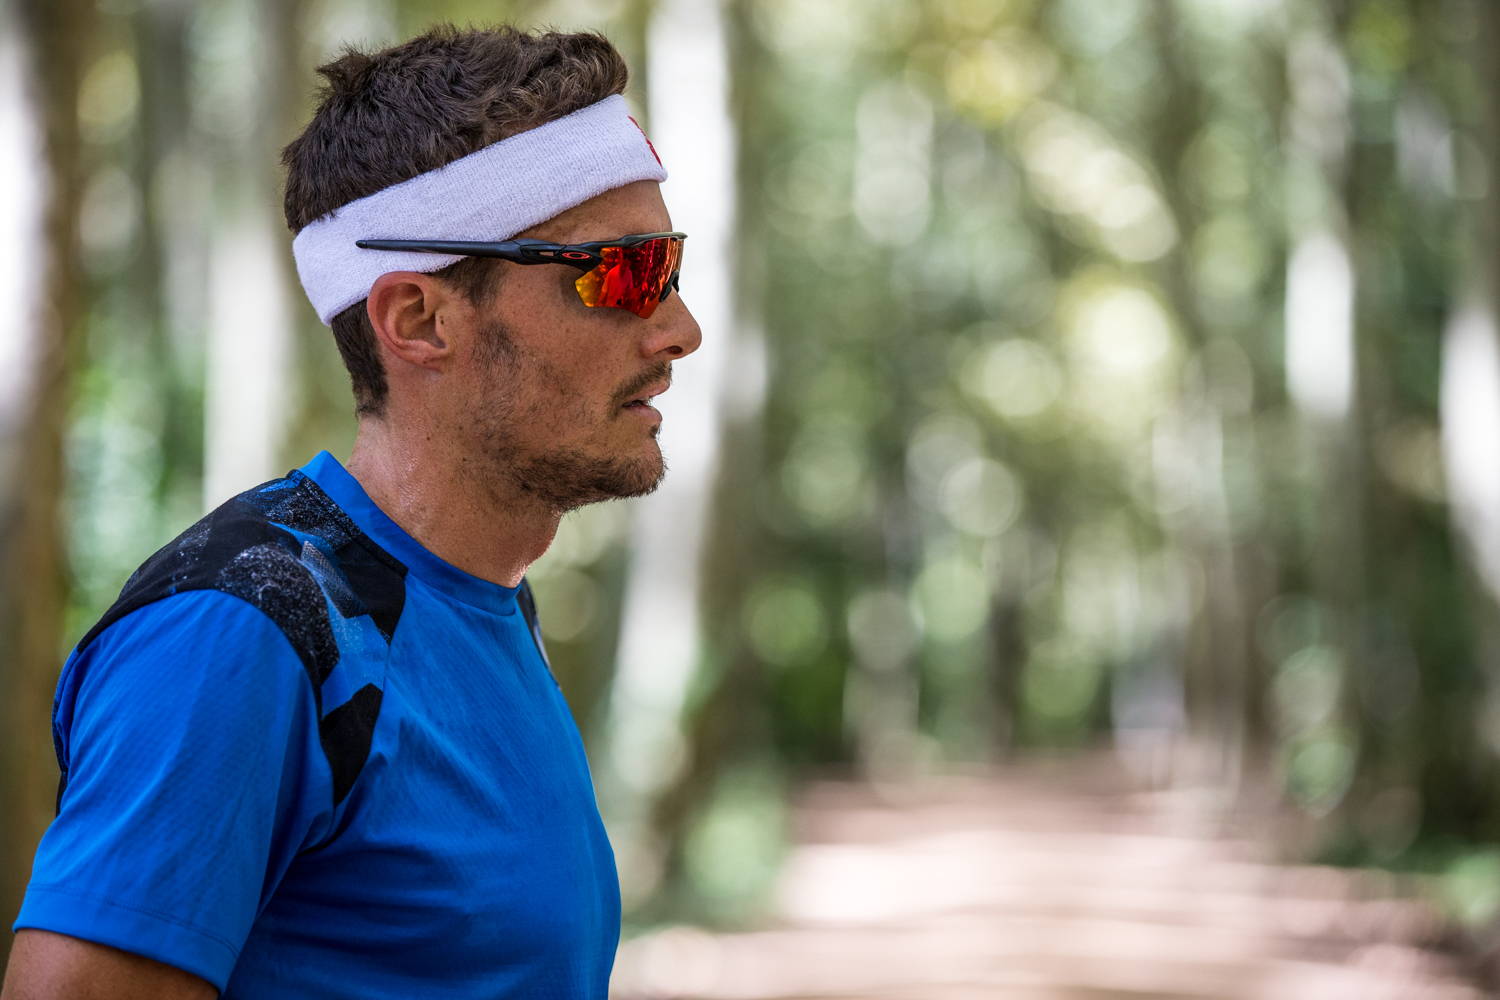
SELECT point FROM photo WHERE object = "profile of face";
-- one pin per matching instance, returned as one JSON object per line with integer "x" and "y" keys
{"x": 541, "y": 402}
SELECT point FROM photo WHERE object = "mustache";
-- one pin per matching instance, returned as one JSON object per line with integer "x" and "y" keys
{"x": 662, "y": 370}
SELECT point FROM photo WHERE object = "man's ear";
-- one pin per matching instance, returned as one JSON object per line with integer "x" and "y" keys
{"x": 405, "y": 309}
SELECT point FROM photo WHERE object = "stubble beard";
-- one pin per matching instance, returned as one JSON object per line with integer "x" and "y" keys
{"x": 560, "y": 479}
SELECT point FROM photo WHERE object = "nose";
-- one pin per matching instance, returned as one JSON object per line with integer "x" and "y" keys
{"x": 673, "y": 333}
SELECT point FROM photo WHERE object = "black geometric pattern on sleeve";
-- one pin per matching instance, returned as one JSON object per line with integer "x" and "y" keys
{"x": 290, "y": 551}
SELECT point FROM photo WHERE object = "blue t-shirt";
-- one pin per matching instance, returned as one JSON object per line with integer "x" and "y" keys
{"x": 302, "y": 756}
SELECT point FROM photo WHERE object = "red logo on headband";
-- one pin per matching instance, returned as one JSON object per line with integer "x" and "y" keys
{"x": 647, "y": 138}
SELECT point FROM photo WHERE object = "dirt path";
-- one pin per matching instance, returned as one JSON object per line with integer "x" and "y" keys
{"x": 1048, "y": 882}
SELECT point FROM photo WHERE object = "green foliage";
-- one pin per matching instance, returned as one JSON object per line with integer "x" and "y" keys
{"x": 1030, "y": 468}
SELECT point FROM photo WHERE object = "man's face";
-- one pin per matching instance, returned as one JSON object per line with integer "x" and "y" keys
{"x": 547, "y": 383}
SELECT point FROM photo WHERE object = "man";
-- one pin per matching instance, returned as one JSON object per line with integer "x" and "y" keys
{"x": 315, "y": 750}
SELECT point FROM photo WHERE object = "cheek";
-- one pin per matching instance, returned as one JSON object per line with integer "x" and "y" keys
{"x": 564, "y": 362}
{"x": 550, "y": 395}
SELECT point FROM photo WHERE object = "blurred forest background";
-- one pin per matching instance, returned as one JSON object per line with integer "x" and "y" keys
{"x": 1076, "y": 375}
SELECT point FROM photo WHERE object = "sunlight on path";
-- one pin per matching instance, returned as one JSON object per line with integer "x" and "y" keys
{"x": 1047, "y": 882}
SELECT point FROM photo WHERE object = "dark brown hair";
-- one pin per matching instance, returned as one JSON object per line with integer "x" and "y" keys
{"x": 387, "y": 116}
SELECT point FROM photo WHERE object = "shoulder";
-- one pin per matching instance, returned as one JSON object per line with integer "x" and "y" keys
{"x": 200, "y": 669}
{"x": 287, "y": 550}
{"x": 200, "y": 654}
{"x": 294, "y": 556}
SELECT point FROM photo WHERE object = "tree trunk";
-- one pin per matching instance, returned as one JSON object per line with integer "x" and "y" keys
{"x": 1218, "y": 665}
{"x": 1470, "y": 418}
{"x": 249, "y": 392}
{"x": 44, "y": 46}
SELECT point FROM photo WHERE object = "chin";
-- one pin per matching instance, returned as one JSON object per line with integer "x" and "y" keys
{"x": 635, "y": 480}
{"x": 568, "y": 480}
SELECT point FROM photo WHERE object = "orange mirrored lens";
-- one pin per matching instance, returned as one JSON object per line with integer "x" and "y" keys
{"x": 633, "y": 278}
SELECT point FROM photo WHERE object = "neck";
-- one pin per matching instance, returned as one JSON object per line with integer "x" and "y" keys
{"x": 473, "y": 521}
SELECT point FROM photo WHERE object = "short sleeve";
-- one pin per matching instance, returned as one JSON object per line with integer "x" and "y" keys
{"x": 188, "y": 734}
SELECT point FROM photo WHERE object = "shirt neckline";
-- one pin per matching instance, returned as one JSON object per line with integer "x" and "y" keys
{"x": 343, "y": 489}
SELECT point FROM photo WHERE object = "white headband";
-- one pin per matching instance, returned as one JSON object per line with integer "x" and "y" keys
{"x": 493, "y": 194}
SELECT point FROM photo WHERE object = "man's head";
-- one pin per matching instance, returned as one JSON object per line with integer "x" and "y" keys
{"x": 501, "y": 362}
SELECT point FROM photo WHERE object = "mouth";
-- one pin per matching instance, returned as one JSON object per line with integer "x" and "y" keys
{"x": 643, "y": 400}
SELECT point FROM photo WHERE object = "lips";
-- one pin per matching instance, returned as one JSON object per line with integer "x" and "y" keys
{"x": 647, "y": 394}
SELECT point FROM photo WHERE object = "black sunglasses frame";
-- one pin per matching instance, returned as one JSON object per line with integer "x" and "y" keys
{"x": 584, "y": 256}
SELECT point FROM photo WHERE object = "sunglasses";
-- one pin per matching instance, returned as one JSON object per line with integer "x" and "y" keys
{"x": 633, "y": 272}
